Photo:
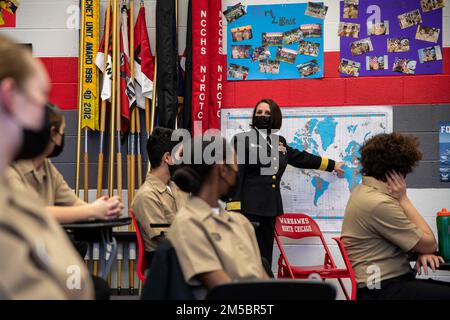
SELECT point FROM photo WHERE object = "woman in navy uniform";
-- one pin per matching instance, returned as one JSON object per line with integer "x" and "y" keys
{"x": 258, "y": 195}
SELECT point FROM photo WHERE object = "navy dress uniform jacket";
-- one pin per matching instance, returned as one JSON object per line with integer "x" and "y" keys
{"x": 259, "y": 194}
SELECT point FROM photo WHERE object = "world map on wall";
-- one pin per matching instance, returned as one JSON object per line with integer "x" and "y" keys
{"x": 333, "y": 132}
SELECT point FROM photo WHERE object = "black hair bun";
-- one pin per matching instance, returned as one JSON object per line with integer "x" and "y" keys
{"x": 187, "y": 179}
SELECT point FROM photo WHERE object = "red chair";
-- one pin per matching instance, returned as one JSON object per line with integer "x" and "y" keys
{"x": 142, "y": 264}
{"x": 299, "y": 226}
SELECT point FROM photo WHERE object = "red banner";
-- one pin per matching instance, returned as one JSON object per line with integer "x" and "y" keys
{"x": 7, "y": 19}
{"x": 200, "y": 66}
{"x": 216, "y": 63}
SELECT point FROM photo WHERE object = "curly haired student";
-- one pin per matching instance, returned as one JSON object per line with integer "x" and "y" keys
{"x": 381, "y": 226}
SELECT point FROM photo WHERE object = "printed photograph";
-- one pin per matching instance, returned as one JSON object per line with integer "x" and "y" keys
{"x": 309, "y": 48}
{"x": 409, "y": 19}
{"x": 361, "y": 46}
{"x": 348, "y": 29}
{"x": 316, "y": 10}
{"x": 398, "y": 44}
{"x": 237, "y": 71}
{"x": 313, "y": 30}
{"x": 429, "y": 5}
{"x": 272, "y": 38}
{"x": 240, "y": 51}
{"x": 269, "y": 66}
{"x": 374, "y": 63}
{"x": 308, "y": 68}
{"x": 430, "y": 54}
{"x": 404, "y": 65}
{"x": 351, "y": 9}
{"x": 286, "y": 55}
{"x": 242, "y": 33}
{"x": 292, "y": 36}
{"x": 235, "y": 12}
{"x": 378, "y": 29}
{"x": 349, "y": 67}
{"x": 260, "y": 53}
{"x": 429, "y": 34}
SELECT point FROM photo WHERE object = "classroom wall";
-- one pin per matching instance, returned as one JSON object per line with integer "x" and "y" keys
{"x": 56, "y": 42}
{"x": 419, "y": 101}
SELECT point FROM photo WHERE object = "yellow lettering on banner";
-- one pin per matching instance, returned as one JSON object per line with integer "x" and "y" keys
{"x": 90, "y": 73}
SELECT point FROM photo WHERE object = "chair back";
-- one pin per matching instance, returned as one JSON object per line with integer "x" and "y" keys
{"x": 142, "y": 264}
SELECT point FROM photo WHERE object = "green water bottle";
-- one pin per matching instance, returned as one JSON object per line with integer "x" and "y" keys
{"x": 443, "y": 227}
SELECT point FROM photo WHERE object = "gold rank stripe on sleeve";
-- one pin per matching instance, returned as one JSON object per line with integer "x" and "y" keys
{"x": 234, "y": 206}
{"x": 89, "y": 42}
{"x": 324, "y": 164}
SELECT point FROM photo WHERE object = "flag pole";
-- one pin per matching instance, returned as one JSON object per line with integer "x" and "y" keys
{"x": 80, "y": 92}
{"x": 154, "y": 97}
{"x": 118, "y": 106}
{"x": 86, "y": 166}
{"x": 138, "y": 128}
{"x": 113, "y": 103}
{"x": 131, "y": 187}
{"x": 129, "y": 153}
{"x": 103, "y": 105}
{"x": 149, "y": 120}
{"x": 138, "y": 147}
{"x": 176, "y": 45}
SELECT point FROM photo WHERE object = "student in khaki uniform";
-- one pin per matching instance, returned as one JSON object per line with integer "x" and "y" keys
{"x": 42, "y": 177}
{"x": 213, "y": 246}
{"x": 159, "y": 198}
{"x": 381, "y": 225}
{"x": 37, "y": 259}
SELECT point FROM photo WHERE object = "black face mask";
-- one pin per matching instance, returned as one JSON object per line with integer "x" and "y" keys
{"x": 262, "y": 122}
{"x": 58, "y": 149}
{"x": 34, "y": 143}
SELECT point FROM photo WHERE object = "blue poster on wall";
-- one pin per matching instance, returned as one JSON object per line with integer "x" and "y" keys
{"x": 444, "y": 150}
{"x": 273, "y": 42}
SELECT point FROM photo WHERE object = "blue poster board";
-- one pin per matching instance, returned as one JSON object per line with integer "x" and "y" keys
{"x": 444, "y": 150}
{"x": 293, "y": 54}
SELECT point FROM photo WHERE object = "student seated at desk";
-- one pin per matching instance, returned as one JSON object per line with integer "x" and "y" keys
{"x": 40, "y": 175}
{"x": 37, "y": 260}
{"x": 158, "y": 199}
{"x": 381, "y": 225}
{"x": 37, "y": 176}
{"x": 213, "y": 246}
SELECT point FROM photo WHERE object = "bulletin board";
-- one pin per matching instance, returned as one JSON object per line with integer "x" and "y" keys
{"x": 390, "y": 37}
{"x": 264, "y": 43}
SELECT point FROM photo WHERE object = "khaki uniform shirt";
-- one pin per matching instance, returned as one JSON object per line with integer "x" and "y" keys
{"x": 206, "y": 241}
{"x": 155, "y": 203}
{"x": 47, "y": 181}
{"x": 376, "y": 233}
{"x": 37, "y": 259}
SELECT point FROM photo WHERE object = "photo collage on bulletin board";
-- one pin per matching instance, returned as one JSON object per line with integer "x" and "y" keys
{"x": 390, "y": 37}
{"x": 282, "y": 41}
